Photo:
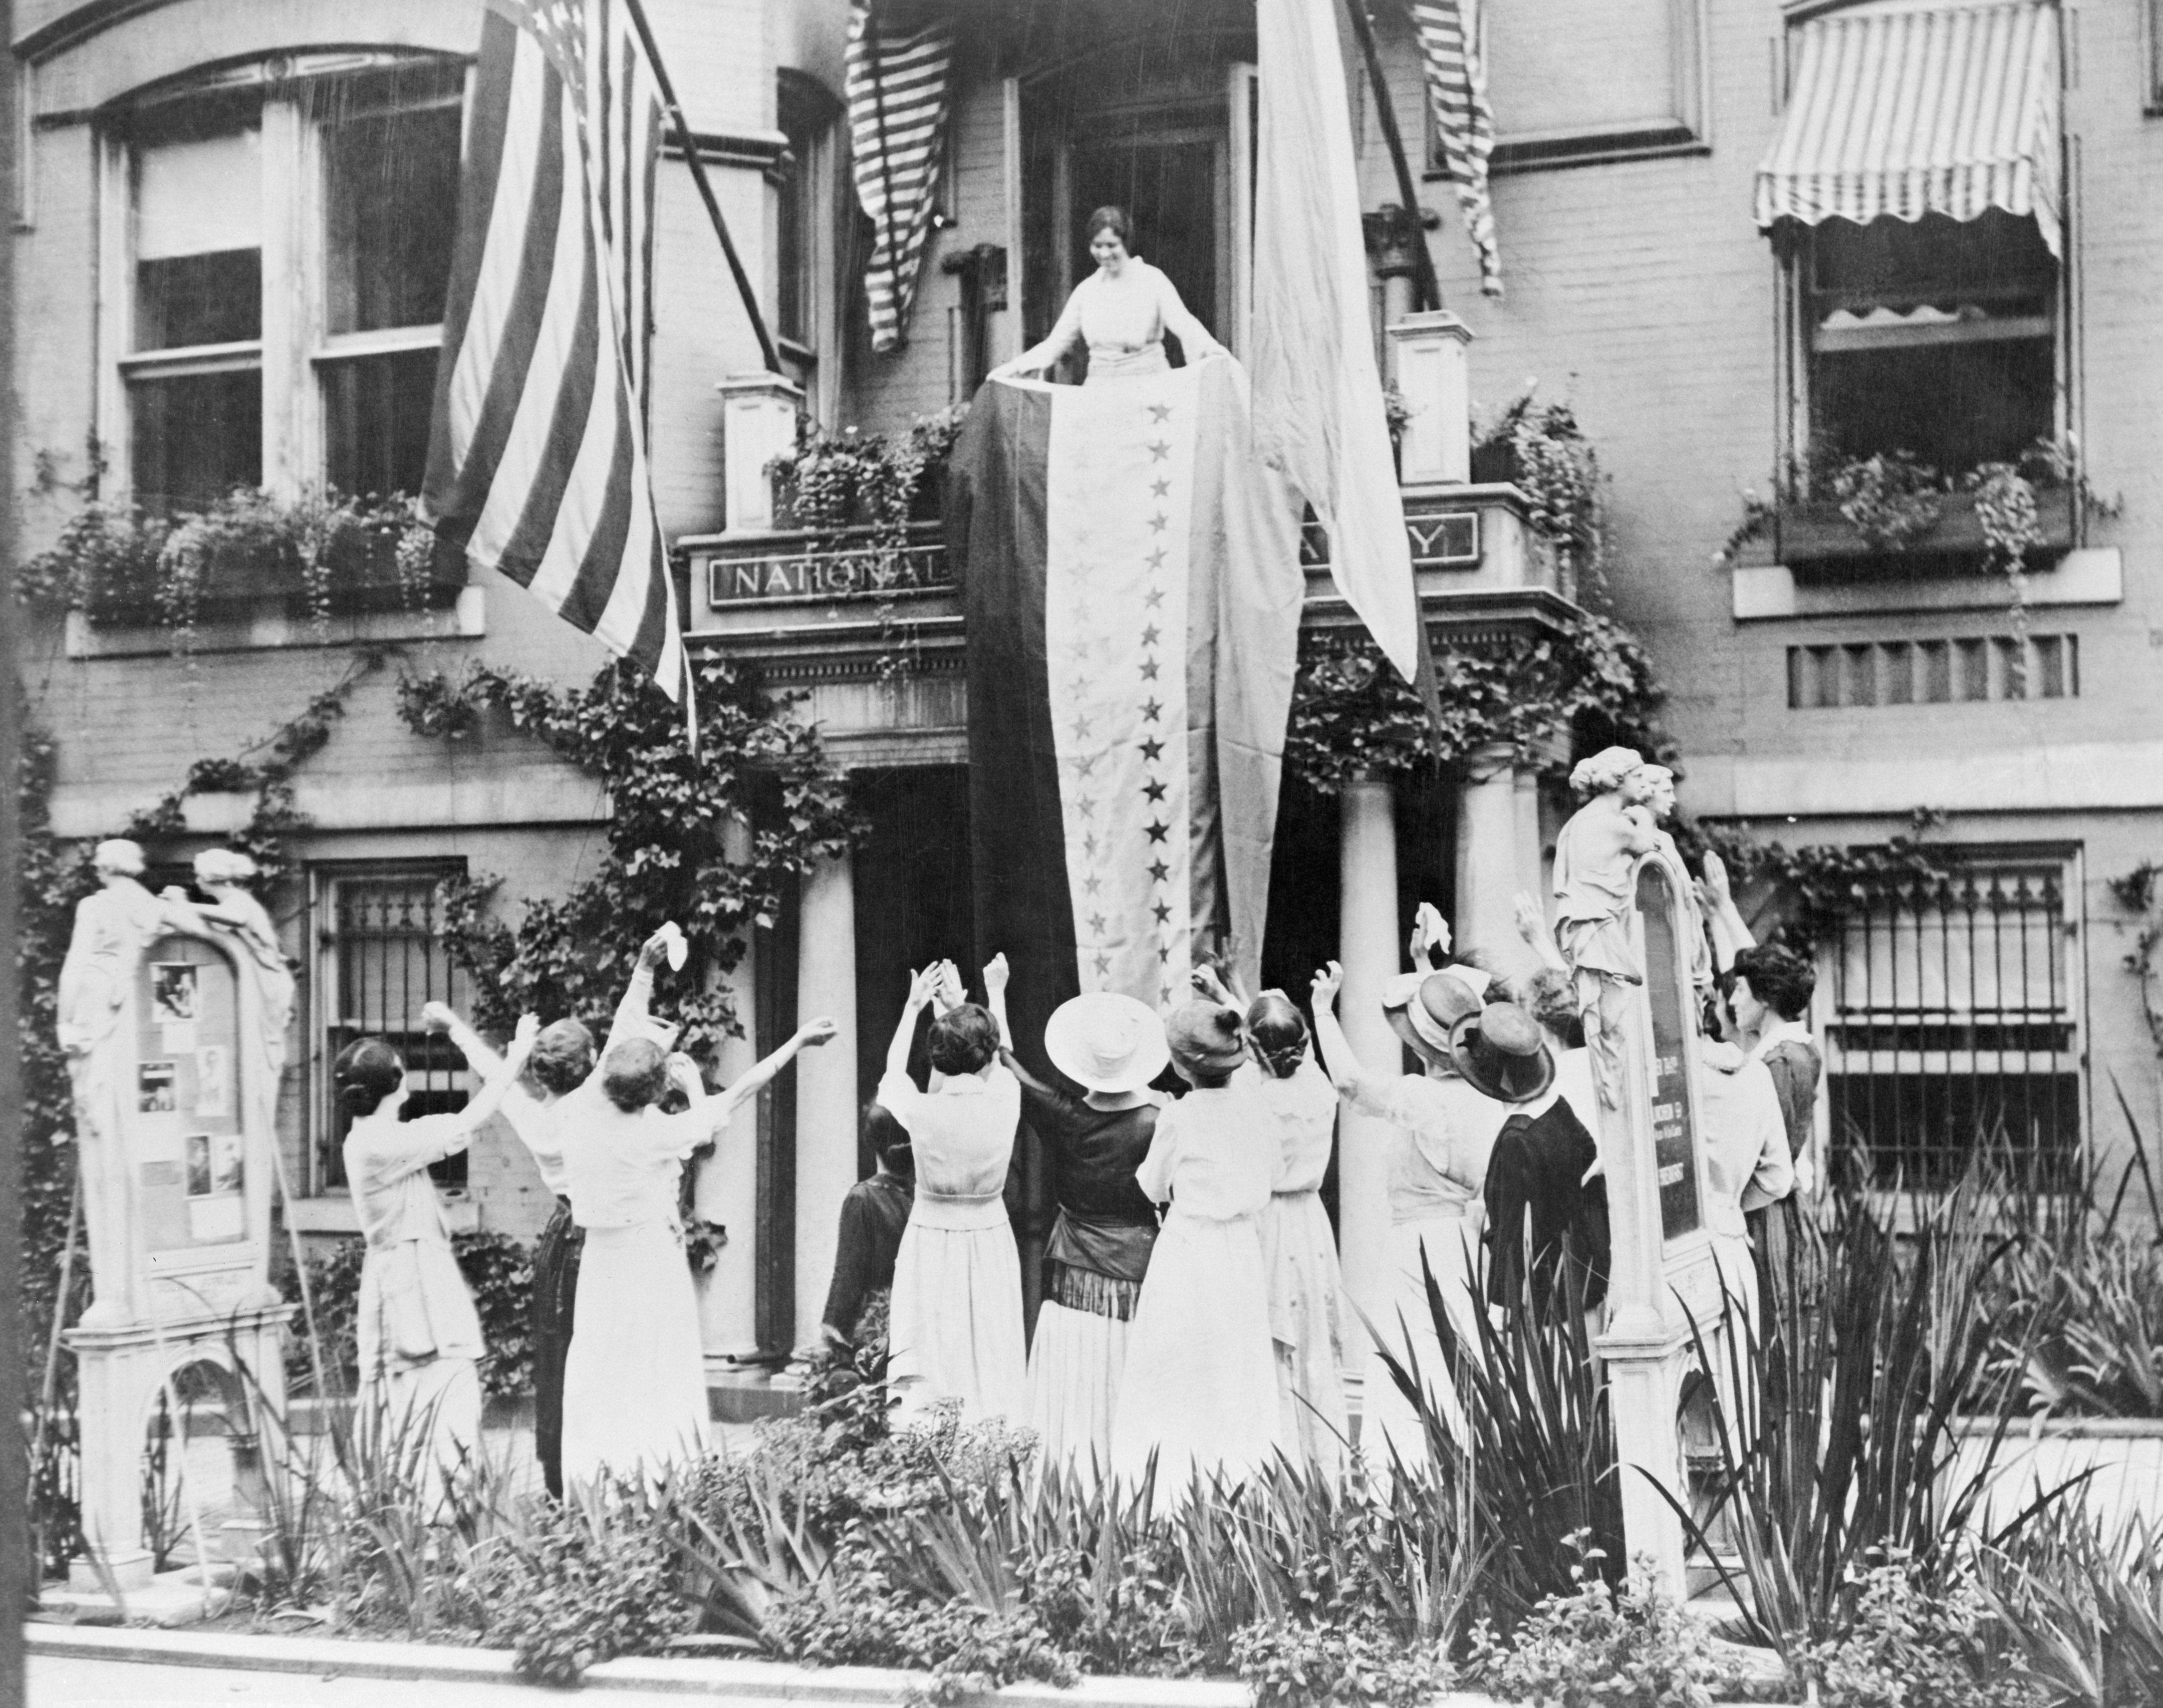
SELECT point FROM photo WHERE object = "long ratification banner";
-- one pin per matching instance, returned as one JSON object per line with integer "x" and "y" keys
{"x": 1132, "y": 584}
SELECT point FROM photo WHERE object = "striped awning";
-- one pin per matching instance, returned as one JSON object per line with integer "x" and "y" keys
{"x": 1898, "y": 108}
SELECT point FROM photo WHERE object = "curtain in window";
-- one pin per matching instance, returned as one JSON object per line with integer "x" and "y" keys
{"x": 1897, "y": 110}
{"x": 900, "y": 87}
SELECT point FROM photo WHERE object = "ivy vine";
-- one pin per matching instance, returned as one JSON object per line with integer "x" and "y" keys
{"x": 668, "y": 854}
{"x": 1820, "y": 884}
{"x": 1352, "y": 713}
{"x": 2136, "y": 893}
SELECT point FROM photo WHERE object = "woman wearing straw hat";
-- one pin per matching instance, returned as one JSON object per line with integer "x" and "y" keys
{"x": 1199, "y": 1399}
{"x": 1444, "y": 1128}
{"x": 1112, "y": 1046}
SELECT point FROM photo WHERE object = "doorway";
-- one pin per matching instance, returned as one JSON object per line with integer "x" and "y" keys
{"x": 1169, "y": 179}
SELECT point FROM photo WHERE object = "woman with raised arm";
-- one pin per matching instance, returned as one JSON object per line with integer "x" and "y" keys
{"x": 1199, "y": 1404}
{"x": 1120, "y": 312}
{"x": 634, "y": 1382}
{"x": 1112, "y": 1046}
{"x": 420, "y": 1337}
{"x": 955, "y": 1316}
{"x": 1444, "y": 1129}
{"x": 1311, "y": 1322}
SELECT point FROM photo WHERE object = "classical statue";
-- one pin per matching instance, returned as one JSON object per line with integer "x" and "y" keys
{"x": 1594, "y": 857}
{"x": 225, "y": 874}
{"x": 112, "y": 927}
{"x": 1121, "y": 312}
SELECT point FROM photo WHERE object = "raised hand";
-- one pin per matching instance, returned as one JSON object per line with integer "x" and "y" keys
{"x": 813, "y": 1033}
{"x": 923, "y": 985}
{"x": 1715, "y": 883}
{"x": 1208, "y": 984}
{"x": 439, "y": 1017}
{"x": 1531, "y": 924}
{"x": 1327, "y": 982}
{"x": 997, "y": 973}
{"x": 654, "y": 950}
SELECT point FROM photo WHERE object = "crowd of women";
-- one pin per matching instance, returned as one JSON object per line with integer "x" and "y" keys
{"x": 1193, "y": 1319}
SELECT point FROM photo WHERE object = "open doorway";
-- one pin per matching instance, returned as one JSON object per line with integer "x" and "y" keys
{"x": 1170, "y": 182}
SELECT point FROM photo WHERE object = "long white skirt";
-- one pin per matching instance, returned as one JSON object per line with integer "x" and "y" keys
{"x": 635, "y": 1380}
{"x": 1451, "y": 1248}
{"x": 1308, "y": 1323}
{"x": 956, "y": 1317}
{"x": 1075, "y": 1366}
{"x": 1200, "y": 1390}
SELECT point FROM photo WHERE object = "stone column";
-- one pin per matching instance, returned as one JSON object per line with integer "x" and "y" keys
{"x": 1531, "y": 857}
{"x": 1428, "y": 361}
{"x": 758, "y": 424}
{"x": 825, "y": 1082}
{"x": 1368, "y": 948}
{"x": 1491, "y": 866}
{"x": 727, "y": 1188}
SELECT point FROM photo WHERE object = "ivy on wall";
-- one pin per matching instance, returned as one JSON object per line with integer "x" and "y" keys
{"x": 1352, "y": 713}
{"x": 667, "y": 854}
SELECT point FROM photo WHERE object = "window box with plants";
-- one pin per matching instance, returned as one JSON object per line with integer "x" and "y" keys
{"x": 1819, "y": 530}
{"x": 320, "y": 556}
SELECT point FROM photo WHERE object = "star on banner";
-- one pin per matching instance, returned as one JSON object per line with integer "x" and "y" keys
{"x": 1160, "y": 871}
{"x": 1155, "y": 791}
{"x": 1151, "y": 708}
{"x": 1159, "y": 487}
{"x": 1157, "y": 829}
{"x": 1159, "y": 450}
{"x": 1159, "y": 411}
{"x": 1151, "y": 751}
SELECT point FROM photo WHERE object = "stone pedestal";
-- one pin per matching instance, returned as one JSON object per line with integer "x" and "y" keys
{"x": 826, "y": 1083}
{"x": 727, "y": 1188}
{"x": 1428, "y": 361}
{"x": 758, "y": 424}
{"x": 1369, "y": 952}
{"x": 121, "y": 1371}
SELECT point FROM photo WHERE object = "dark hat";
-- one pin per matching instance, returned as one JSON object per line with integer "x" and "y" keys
{"x": 1206, "y": 1038}
{"x": 1501, "y": 1054}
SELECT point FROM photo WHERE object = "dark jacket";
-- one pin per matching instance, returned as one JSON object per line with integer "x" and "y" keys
{"x": 1535, "y": 1174}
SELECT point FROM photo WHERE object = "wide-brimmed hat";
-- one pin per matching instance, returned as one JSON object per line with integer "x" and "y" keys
{"x": 1434, "y": 1001}
{"x": 1106, "y": 1042}
{"x": 1499, "y": 1052}
{"x": 1206, "y": 1039}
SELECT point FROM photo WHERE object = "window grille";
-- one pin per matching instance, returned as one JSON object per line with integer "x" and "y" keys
{"x": 1923, "y": 673}
{"x": 381, "y": 955}
{"x": 1952, "y": 1020}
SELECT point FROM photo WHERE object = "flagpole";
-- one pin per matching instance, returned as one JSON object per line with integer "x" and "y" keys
{"x": 1423, "y": 278}
{"x": 690, "y": 147}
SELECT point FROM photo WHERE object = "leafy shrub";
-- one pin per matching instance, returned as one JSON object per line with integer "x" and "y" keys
{"x": 581, "y": 1584}
{"x": 2085, "y": 1606}
{"x": 1910, "y": 1648}
{"x": 1603, "y": 1647}
{"x": 1297, "y": 1666}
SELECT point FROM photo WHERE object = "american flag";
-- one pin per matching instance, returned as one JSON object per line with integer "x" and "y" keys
{"x": 898, "y": 88}
{"x": 537, "y": 458}
{"x": 1464, "y": 122}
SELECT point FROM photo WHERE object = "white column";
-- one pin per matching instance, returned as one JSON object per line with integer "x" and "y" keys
{"x": 1367, "y": 946}
{"x": 825, "y": 1082}
{"x": 758, "y": 424}
{"x": 1489, "y": 868}
{"x": 1427, "y": 352}
{"x": 727, "y": 1188}
{"x": 1531, "y": 861}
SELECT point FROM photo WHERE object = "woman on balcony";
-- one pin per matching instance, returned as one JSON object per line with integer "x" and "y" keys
{"x": 1121, "y": 312}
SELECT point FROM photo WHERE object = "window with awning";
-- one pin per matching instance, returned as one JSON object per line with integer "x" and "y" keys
{"x": 1915, "y": 192}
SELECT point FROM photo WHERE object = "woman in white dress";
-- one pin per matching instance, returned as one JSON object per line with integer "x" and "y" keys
{"x": 1444, "y": 1131}
{"x": 1120, "y": 312}
{"x": 1199, "y": 1395}
{"x": 955, "y": 1320}
{"x": 1310, "y": 1321}
{"x": 635, "y": 1379}
{"x": 420, "y": 1337}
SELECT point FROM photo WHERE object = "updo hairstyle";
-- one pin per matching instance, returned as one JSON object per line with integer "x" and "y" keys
{"x": 1605, "y": 770}
{"x": 1114, "y": 220}
{"x": 365, "y": 1073}
{"x": 1549, "y": 996}
{"x": 963, "y": 1040}
{"x": 635, "y": 1074}
{"x": 1779, "y": 978}
{"x": 1279, "y": 1032}
{"x": 562, "y": 1056}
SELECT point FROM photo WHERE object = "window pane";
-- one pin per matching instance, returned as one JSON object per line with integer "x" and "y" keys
{"x": 375, "y": 421}
{"x": 1953, "y": 406}
{"x": 391, "y": 189}
{"x": 1570, "y": 65}
{"x": 212, "y": 299}
{"x": 197, "y": 437}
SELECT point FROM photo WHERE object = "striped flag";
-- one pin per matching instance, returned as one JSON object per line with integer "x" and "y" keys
{"x": 536, "y": 457}
{"x": 1132, "y": 591}
{"x": 1464, "y": 122}
{"x": 900, "y": 87}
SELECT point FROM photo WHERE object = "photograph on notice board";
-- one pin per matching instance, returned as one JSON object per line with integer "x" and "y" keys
{"x": 199, "y": 1166}
{"x": 173, "y": 994}
{"x": 225, "y": 1162}
{"x": 154, "y": 1093}
{"x": 213, "y": 1079}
